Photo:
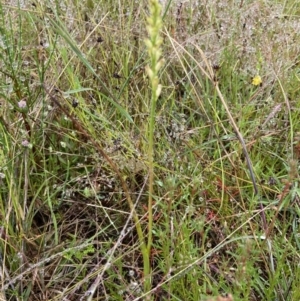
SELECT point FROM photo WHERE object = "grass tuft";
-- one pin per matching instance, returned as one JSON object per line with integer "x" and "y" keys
{"x": 149, "y": 150}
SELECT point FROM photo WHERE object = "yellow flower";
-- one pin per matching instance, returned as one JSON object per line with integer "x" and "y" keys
{"x": 256, "y": 80}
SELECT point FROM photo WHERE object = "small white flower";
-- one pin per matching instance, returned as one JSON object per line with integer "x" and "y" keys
{"x": 22, "y": 104}
{"x": 63, "y": 144}
{"x": 26, "y": 143}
